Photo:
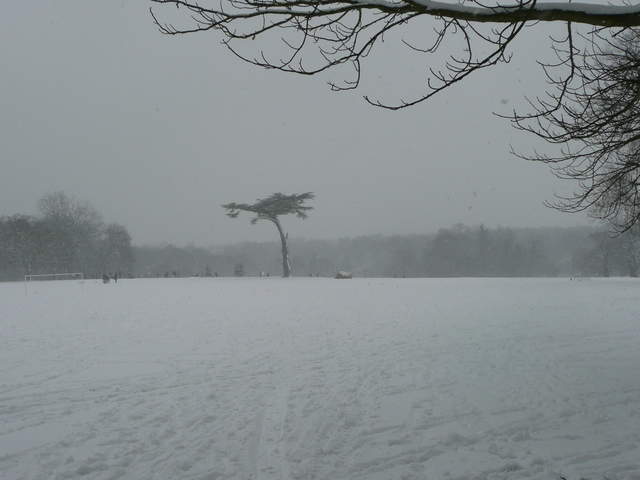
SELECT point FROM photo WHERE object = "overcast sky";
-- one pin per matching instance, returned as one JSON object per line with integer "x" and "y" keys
{"x": 156, "y": 132}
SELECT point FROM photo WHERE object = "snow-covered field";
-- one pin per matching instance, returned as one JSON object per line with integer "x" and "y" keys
{"x": 269, "y": 379}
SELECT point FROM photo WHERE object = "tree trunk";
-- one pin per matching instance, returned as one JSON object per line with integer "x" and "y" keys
{"x": 286, "y": 265}
{"x": 605, "y": 264}
{"x": 633, "y": 265}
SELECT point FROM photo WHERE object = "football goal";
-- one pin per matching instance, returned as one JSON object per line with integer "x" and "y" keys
{"x": 54, "y": 276}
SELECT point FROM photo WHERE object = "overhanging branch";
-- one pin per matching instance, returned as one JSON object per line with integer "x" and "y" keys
{"x": 322, "y": 34}
{"x": 472, "y": 11}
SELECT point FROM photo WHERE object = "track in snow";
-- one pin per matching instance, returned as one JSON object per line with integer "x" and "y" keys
{"x": 273, "y": 379}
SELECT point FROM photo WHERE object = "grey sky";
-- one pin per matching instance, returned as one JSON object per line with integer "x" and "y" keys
{"x": 157, "y": 132}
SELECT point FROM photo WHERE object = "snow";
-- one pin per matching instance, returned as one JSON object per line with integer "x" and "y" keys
{"x": 267, "y": 378}
{"x": 480, "y": 9}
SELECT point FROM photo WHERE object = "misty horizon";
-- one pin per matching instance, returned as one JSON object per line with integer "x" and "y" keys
{"x": 298, "y": 229}
{"x": 156, "y": 134}
{"x": 272, "y": 239}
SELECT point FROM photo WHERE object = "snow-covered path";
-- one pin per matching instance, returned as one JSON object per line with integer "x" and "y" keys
{"x": 273, "y": 379}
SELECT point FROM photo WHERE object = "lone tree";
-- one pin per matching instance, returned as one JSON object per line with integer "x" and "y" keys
{"x": 589, "y": 110}
{"x": 270, "y": 209}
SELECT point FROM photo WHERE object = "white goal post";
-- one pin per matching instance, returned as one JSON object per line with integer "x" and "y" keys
{"x": 54, "y": 276}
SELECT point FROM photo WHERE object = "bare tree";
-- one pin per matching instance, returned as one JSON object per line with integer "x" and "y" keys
{"x": 20, "y": 243}
{"x": 76, "y": 228}
{"x": 270, "y": 209}
{"x": 116, "y": 251}
{"x": 593, "y": 115}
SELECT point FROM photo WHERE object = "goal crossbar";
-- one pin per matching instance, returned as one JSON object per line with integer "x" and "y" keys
{"x": 54, "y": 276}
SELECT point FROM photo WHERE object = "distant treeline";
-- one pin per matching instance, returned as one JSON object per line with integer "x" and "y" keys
{"x": 70, "y": 236}
{"x": 67, "y": 236}
{"x": 456, "y": 251}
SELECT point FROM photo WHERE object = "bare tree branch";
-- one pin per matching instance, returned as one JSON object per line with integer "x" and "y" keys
{"x": 590, "y": 110}
{"x": 323, "y": 34}
{"x": 593, "y": 115}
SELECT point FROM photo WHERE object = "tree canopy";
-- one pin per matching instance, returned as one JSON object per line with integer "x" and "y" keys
{"x": 273, "y": 206}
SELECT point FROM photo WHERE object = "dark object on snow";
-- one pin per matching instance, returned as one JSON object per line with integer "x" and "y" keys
{"x": 343, "y": 275}
{"x": 105, "y": 278}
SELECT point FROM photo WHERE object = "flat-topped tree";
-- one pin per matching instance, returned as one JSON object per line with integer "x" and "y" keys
{"x": 270, "y": 209}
